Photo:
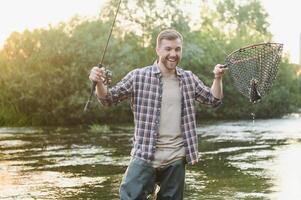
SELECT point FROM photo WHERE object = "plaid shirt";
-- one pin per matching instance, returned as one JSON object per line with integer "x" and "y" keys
{"x": 144, "y": 87}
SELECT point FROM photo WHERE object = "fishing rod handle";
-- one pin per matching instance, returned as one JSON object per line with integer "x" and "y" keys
{"x": 224, "y": 66}
{"x": 107, "y": 80}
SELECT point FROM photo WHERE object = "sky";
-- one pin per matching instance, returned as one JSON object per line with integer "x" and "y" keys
{"x": 285, "y": 18}
{"x": 18, "y": 15}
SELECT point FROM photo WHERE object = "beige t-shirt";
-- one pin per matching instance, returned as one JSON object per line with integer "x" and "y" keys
{"x": 169, "y": 144}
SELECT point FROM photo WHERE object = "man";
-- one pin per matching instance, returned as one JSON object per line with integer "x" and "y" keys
{"x": 163, "y": 102}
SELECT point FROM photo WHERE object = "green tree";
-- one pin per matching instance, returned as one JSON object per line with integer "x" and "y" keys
{"x": 44, "y": 72}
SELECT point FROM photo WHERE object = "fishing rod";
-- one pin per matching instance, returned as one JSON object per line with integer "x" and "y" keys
{"x": 108, "y": 74}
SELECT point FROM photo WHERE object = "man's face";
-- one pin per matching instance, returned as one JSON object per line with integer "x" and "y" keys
{"x": 170, "y": 53}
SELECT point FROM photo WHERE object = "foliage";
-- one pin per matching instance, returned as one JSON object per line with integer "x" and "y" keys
{"x": 44, "y": 72}
{"x": 96, "y": 128}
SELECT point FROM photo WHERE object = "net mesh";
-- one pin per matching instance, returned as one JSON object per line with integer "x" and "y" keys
{"x": 254, "y": 68}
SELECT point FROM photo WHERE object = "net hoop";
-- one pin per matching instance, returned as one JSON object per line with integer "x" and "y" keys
{"x": 258, "y": 62}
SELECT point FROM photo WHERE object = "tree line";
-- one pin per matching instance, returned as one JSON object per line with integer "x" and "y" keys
{"x": 44, "y": 72}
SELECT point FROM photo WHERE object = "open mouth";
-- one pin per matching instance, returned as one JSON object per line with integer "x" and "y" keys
{"x": 171, "y": 59}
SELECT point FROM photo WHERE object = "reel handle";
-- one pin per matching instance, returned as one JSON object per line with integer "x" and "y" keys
{"x": 108, "y": 76}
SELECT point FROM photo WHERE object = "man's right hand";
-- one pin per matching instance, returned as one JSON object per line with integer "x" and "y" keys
{"x": 97, "y": 75}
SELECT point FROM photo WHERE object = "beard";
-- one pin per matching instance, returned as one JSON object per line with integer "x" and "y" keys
{"x": 170, "y": 63}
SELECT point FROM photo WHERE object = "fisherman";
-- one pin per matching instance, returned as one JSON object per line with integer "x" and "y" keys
{"x": 163, "y": 99}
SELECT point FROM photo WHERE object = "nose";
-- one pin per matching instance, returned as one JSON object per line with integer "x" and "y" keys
{"x": 173, "y": 53}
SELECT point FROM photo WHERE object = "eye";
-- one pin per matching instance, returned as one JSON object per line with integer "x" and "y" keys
{"x": 167, "y": 48}
{"x": 178, "y": 49}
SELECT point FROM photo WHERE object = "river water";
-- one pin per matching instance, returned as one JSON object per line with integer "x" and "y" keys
{"x": 249, "y": 159}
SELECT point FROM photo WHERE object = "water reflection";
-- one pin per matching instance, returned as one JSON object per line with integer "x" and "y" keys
{"x": 238, "y": 160}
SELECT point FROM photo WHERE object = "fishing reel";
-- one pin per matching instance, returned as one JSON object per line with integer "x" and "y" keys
{"x": 108, "y": 75}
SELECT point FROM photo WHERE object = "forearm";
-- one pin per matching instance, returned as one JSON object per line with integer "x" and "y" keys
{"x": 217, "y": 88}
{"x": 217, "y": 85}
{"x": 101, "y": 90}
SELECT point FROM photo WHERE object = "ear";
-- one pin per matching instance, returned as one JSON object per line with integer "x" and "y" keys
{"x": 157, "y": 50}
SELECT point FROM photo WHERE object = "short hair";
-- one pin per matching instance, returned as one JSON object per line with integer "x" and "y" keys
{"x": 169, "y": 34}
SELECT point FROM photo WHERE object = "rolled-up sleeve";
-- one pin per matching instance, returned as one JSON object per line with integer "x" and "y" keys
{"x": 204, "y": 95}
{"x": 121, "y": 91}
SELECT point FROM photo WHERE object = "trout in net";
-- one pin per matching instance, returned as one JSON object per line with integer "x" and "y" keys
{"x": 254, "y": 93}
{"x": 254, "y": 68}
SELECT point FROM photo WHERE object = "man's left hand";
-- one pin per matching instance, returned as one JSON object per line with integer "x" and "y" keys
{"x": 219, "y": 70}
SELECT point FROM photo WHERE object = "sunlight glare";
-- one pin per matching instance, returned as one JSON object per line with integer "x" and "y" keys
{"x": 18, "y": 15}
{"x": 288, "y": 174}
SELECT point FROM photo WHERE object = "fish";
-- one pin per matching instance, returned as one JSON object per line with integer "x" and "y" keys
{"x": 254, "y": 93}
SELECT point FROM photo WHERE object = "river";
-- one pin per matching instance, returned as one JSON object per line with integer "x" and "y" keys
{"x": 242, "y": 159}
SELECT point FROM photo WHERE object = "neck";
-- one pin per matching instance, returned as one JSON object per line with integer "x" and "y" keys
{"x": 165, "y": 71}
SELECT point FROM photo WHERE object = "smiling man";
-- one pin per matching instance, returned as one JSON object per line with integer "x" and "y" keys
{"x": 163, "y": 99}
{"x": 169, "y": 51}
